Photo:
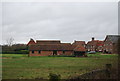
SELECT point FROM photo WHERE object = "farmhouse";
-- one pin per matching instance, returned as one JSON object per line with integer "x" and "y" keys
{"x": 95, "y": 45}
{"x": 111, "y": 44}
{"x": 55, "y": 47}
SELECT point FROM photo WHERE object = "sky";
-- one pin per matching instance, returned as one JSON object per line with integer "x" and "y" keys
{"x": 65, "y": 21}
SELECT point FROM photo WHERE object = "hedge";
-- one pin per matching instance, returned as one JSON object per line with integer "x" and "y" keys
{"x": 16, "y": 52}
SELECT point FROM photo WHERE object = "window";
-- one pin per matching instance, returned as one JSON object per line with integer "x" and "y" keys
{"x": 84, "y": 46}
{"x": 32, "y": 51}
{"x": 39, "y": 52}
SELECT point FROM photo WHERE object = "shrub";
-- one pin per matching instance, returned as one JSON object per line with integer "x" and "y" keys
{"x": 16, "y": 52}
{"x": 54, "y": 77}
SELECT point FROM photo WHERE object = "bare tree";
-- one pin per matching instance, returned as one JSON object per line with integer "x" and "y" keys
{"x": 10, "y": 41}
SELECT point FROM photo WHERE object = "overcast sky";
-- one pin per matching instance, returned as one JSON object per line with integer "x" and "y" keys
{"x": 62, "y": 21}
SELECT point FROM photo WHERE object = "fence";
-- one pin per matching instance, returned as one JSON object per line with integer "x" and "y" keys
{"x": 97, "y": 74}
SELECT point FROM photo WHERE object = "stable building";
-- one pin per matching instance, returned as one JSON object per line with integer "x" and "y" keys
{"x": 50, "y": 49}
{"x": 54, "y": 47}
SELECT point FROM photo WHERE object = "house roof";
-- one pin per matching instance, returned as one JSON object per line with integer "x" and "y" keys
{"x": 95, "y": 43}
{"x": 76, "y": 43}
{"x": 55, "y": 45}
{"x": 51, "y": 47}
{"x": 92, "y": 42}
{"x": 79, "y": 48}
{"x": 113, "y": 38}
{"x": 31, "y": 42}
{"x": 47, "y": 41}
{"x": 79, "y": 42}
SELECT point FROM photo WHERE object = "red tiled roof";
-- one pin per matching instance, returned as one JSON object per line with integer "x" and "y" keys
{"x": 31, "y": 42}
{"x": 95, "y": 42}
{"x": 79, "y": 48}
{"x": 56, "y": 45}
{"x": 51, "y": 47}
{"x": 79, "y": 42}
{"x": 76, "y": 43}
{"x": 48, "y": 42}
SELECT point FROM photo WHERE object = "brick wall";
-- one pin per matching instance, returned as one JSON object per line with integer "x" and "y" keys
{"x": 115, "y": 48}
{"x": 91, "y": 47}
{"x": 108, "y": 47}
{"x": 47, "y": 53}
{"x": 59, "y": 52}
{"x": 100, "y": 48}
{"x": 43, "y": 53}
{"x": 68, "y": 52}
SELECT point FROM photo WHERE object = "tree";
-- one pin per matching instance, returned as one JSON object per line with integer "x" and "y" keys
{"x": 10, "y": 41}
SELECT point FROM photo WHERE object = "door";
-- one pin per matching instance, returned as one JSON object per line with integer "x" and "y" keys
{"x": 54, "y": 52}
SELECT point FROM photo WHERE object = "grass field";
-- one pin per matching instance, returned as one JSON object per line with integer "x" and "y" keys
{"x": 19, "y": 66}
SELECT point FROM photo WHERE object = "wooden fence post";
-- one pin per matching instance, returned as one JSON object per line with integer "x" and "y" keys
{"x": 108, "y": 70}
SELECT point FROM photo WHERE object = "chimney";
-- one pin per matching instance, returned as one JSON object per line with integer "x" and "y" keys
{"x": 93, "y": 38}
{"x": 74, "y": 41}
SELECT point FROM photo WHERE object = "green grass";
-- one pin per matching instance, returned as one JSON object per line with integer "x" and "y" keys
{"x": 20, "y": 66}
{"x": 13, "y": 55}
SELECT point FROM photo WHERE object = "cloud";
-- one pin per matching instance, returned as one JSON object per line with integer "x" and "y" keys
{"x": 64, "y": 21}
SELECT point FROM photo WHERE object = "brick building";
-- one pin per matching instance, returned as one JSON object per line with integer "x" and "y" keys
{"x": 111, "y": 44}
{"x": 79, "y": 48}
{"x": 54, "y": 47}
{"x": 95, "y": 45}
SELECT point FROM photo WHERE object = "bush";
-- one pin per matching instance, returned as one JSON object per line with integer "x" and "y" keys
{"x": 54, "y": 77}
